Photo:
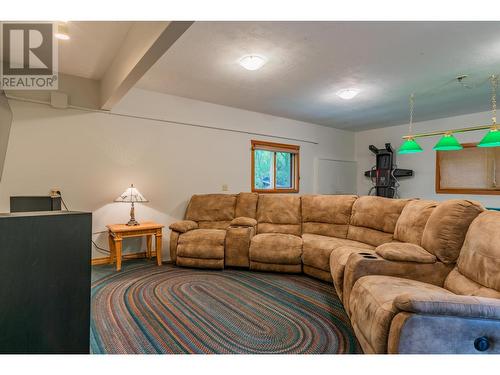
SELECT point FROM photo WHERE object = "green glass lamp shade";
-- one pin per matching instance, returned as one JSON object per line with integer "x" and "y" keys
{"x": 492, "y": 139}
{"x": 448, "y": 143}
{"x": 409, "y": 147}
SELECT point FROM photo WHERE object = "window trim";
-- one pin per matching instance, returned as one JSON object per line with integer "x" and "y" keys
{"x": 277, "y": 147}
{"x": 440, "y": 190}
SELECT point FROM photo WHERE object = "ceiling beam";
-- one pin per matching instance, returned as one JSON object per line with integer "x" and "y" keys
{"x": 144, "y": 44}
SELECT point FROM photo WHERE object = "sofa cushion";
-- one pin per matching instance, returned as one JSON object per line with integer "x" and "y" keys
{"x": 460, "y": 284}
{"x": 279, "y": 213}
{"x": 222, "y": 225}
{"x": 246, "y": 205}
{"x": 373, "y": 219}
{"x": 211, "y": 207}
{"x": 369, "y": 236}
{"x": 480, "y": 255}
{"x": 411, "y": 223}
{"x": 377, "y": 213}
{"x": 243, "y": 222}
{"x": 405, "y": 252}
{"x": 445, "y": 230}
{"x": 276, "y": 248}
{"x": 202, "y": 243}
{"x": 327, "y": 215}
{"x": 183, "y": 226}
{"x": 316, "y": 249}
{"x": 372, "y": 309}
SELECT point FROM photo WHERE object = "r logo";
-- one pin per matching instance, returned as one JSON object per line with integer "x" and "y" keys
{"x": 27, "y": 49}
{"x": 29, "y": 56}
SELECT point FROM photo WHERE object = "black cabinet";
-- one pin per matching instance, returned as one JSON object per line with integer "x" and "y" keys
{"x": 45, "y": 282}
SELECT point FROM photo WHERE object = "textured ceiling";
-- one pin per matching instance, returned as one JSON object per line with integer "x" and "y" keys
{"x": 92, "y": 47}
{"x": 309, "y": 61}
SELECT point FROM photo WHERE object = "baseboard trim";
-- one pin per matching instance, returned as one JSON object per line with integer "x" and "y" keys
{"x": 107, "y": 260}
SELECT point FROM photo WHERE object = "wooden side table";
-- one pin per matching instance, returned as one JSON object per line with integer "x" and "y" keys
{"x": 117, "y": 232}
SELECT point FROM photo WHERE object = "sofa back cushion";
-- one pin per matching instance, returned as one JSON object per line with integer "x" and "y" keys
{"x": 373, "y": 219}
{"x": 211, "y": 211}
{"x": 411, "y": 223}
{"x": 278, "y": 213}
{"x": 327, "y": 215}
{"x": 445, "y": 230}
{"x": 479, "y": 260}
{"x": 246, "y": 205}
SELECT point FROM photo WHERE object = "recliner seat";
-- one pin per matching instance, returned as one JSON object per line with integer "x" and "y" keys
{"x": 325, "y": 224}
{"x": 277, "y": 246}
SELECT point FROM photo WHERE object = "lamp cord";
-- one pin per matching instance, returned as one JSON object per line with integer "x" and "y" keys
{"x": 106, "y": 251}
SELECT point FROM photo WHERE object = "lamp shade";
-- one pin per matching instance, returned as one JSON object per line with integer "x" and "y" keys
{"x": 491, "y": 139}
{"x": 410, "y": 146}
{"x": 131, "y": 195}
{"x": 448, "y": 143}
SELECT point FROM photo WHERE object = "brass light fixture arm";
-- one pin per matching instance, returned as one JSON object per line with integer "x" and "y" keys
{"x": 451, "y": 131}
{"x": 494, "y": 83}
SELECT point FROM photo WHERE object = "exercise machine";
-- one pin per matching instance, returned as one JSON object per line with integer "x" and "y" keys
{"x": 385, "y": 174}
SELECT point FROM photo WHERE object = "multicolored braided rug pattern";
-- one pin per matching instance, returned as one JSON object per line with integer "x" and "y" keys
{"x": 150, "y": 309}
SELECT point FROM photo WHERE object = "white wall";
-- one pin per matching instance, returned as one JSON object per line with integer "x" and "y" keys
{"x": 424, "y": 163}
{"x": 93, "y": 157}
{"x": 5, "y": 123}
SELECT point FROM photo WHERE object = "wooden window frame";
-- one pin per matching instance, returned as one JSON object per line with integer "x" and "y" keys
{"x": 277, "y": 147}
{"x": 440, "y": 190}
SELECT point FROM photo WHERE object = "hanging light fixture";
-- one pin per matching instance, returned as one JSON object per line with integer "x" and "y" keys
{"x": 492, "y": 138}
{"x": 410, "y": 146}
{"x": 448, "y": 143}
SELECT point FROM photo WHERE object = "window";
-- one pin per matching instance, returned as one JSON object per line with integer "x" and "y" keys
{"x": 275, "y": 167}
{"x": 472, "y": 170}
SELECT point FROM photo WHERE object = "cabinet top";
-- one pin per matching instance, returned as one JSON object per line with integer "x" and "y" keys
{"x": 41, "y": 213}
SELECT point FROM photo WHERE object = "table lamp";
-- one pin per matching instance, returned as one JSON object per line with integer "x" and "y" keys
{"x": 131, "y": 195}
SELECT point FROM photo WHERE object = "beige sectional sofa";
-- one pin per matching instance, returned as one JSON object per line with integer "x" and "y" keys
{"x": 393, "y": 262}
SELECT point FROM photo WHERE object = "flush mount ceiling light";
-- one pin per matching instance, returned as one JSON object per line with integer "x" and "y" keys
{"x": 348, "y": 94}
{"x": 252, "y": 62}
{"x": 62, "y": 32}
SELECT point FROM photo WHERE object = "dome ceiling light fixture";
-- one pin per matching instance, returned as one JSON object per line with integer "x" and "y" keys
{"x": 252, "y": 62}
{"x": 348, "y": 94}
{"x": 448, "y": 142}
{"x": 62, "y": 32}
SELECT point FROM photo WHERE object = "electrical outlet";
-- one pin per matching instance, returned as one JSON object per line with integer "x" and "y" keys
{"x": 225, "y": 187}
{"x": 53, "y": 192}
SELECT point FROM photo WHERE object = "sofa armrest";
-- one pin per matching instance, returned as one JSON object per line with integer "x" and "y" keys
{"x": 443, "y": 334}
{"x": 243, "y": 222}
{"x": 405, "y": 252}
{"x": 446, "y": 303}
{"x": 184, "y": 226}
{"x": 359, "y": 265}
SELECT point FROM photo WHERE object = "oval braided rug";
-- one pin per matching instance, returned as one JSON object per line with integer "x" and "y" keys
{"x": 150, "y": 309}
